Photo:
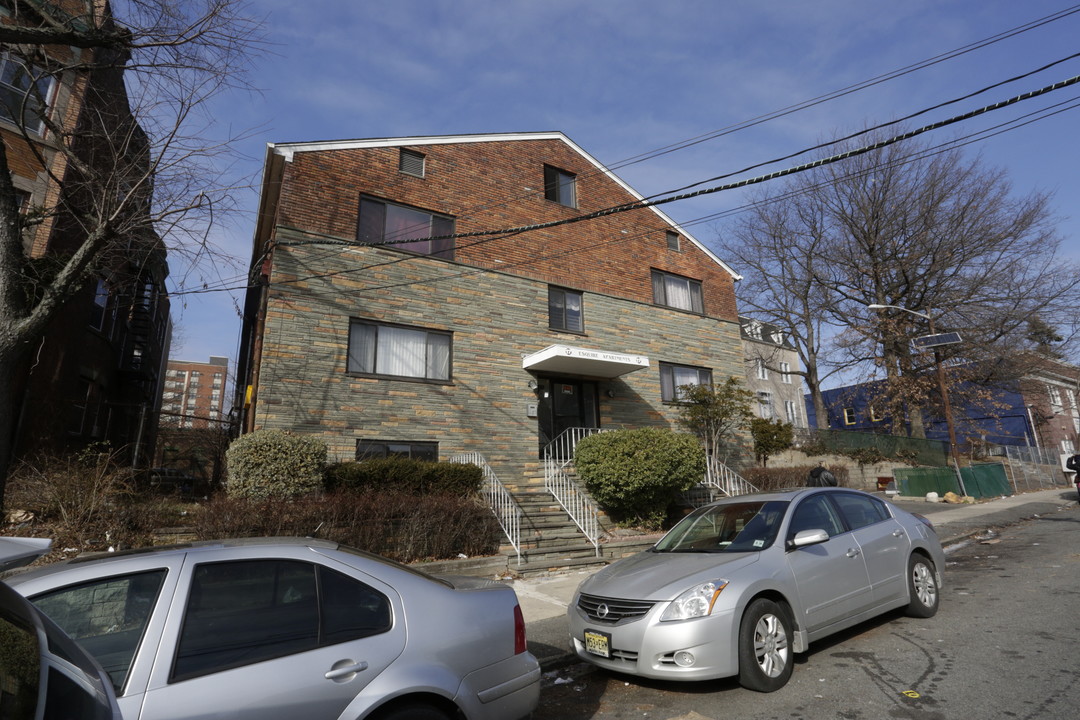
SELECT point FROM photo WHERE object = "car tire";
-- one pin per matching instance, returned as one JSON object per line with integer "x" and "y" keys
{"x": 765, "y": 647}
{"x": 414, "y": 711}
{"x": 922, "y": 587}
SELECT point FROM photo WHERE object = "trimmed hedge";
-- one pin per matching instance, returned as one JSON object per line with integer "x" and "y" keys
{"x": 274, "y": 464}
{"x": 399, "y": 474}
{"x": 397, "y": 525}
{"x": 635, "y": 475}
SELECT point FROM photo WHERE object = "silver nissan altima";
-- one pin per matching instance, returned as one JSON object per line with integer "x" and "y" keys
{"x": 738, "y": 586}
{"x": 290, "y": 628}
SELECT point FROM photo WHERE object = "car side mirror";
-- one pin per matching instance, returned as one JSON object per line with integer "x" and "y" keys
{"x": 808, "y": 537}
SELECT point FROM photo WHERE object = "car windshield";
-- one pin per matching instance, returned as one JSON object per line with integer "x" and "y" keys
{"x": 730, "y": 527}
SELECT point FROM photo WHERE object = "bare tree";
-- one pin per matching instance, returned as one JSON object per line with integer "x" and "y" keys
{"x": 777, "y": 246}
{"x": 918, "y": 228}
{"x": 126, "y": 160}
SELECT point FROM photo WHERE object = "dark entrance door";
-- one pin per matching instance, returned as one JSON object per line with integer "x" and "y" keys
{"x": 565, "y": 403}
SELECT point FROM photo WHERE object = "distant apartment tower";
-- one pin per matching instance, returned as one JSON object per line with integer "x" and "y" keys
{"x": 194, "y": 395}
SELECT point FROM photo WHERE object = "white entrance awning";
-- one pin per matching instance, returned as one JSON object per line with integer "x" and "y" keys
{"x": 568, "y": 360}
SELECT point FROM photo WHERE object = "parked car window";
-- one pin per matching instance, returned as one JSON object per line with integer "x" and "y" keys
{"x": 860, "y": 510}
{"x": 815, "y": 513}
{"x": 244, "y": 612}
{"x": 741, "y": 527}
{"x": 350, "y": 609}
{"x": 107, "y": 617}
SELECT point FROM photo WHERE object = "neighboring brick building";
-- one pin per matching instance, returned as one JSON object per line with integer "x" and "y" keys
{"x": 194, "y": 395}
{"x": 771, "y": 366}
{"x": 95, "y": 376}
{"x": 495, "y": 343}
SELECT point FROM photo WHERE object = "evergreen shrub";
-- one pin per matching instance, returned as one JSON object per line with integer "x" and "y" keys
{"x": 400, "y": 474}
{"x": 275, "y": 464}
{"x": 635, "y": 475}
{"x": 397, "y": 525}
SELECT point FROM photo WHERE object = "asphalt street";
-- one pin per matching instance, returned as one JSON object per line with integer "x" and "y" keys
{"x": 544, "y": 599}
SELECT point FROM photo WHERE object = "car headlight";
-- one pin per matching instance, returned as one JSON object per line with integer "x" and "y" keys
{"x": 696, "y": 602}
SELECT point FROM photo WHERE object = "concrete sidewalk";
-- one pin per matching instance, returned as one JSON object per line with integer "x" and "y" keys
{"x": 544, "y": 599}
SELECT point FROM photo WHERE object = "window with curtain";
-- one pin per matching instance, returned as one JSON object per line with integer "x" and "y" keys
{"x": 397, "y": 351}
{"x": 677, "y": 292}
{"x": 672, "y": 377}
{"x": 564, "y": 310}
{"x": 384, "y": 223}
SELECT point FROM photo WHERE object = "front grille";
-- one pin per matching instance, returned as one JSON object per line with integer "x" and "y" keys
{"x": 616, "y": 608}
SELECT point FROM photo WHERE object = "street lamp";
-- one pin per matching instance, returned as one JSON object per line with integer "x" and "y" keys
{"x": 942, "y": 386}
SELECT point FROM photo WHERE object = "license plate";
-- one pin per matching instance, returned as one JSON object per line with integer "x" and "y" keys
{"x": 598, "y": 643}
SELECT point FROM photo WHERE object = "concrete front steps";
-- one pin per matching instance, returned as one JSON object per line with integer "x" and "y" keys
{"x": 550, "y": 540}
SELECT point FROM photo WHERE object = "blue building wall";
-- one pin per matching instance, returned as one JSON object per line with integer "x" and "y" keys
{"x": 1002, "y": 420}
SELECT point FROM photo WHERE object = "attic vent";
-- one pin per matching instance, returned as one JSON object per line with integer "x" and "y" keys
{"x": 411, "y": 162}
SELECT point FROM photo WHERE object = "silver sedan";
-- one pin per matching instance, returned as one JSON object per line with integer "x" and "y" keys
{"x": 289, "y": 628}
{"x": 738, "y": 586}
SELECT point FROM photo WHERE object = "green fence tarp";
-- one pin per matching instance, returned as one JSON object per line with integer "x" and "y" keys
{"x": 980, "y": 481}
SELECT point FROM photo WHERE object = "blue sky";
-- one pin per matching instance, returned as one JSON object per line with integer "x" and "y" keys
{"x": 626, "y": 77}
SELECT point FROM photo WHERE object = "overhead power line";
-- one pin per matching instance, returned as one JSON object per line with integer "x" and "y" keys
{"x": 640, "y": 204}
{"x": 223, "y": 284}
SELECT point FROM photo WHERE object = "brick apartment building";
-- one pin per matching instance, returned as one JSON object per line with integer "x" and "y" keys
{"x": 194, "y": 394}
{"x": 370, "y": 328}
{"x": 95, "y": 376}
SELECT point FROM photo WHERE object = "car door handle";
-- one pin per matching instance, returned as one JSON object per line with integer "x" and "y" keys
{"x": 898, "y": 533}
{"x": 346, "y": 670}
{"x": 853, "y": 552}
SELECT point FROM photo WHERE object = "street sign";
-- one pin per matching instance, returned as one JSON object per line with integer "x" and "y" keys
{"x": 933, "y": 341}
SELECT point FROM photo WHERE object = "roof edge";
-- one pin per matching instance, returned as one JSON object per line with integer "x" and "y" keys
{"x": 288, "y": 150}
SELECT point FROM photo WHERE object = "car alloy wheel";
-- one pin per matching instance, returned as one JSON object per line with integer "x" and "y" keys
{"x": 765, "y": 658}
{"x": 922, "y": 587}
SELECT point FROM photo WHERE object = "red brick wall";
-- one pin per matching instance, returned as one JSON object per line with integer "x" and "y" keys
{"x": 494, "y": 185}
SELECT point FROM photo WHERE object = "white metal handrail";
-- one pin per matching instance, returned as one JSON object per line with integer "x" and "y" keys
{"x": 502, "y": 503}
{"x": 722, "y": 478}
{"x": 558, "y": 457}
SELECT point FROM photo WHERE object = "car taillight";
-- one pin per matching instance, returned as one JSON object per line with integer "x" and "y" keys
{"x": 519, "y": 631}
{"x": 925, "y": 521}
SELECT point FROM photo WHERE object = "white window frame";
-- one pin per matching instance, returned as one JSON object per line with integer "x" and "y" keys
{"x": 10, "y": 64}
{"x": 411, "y": 162}
{"x": 762, "y": 371}
{"x": 791, "y": 410}
{"x": 785, "y": 373}
{"x": 765, "y": 404}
